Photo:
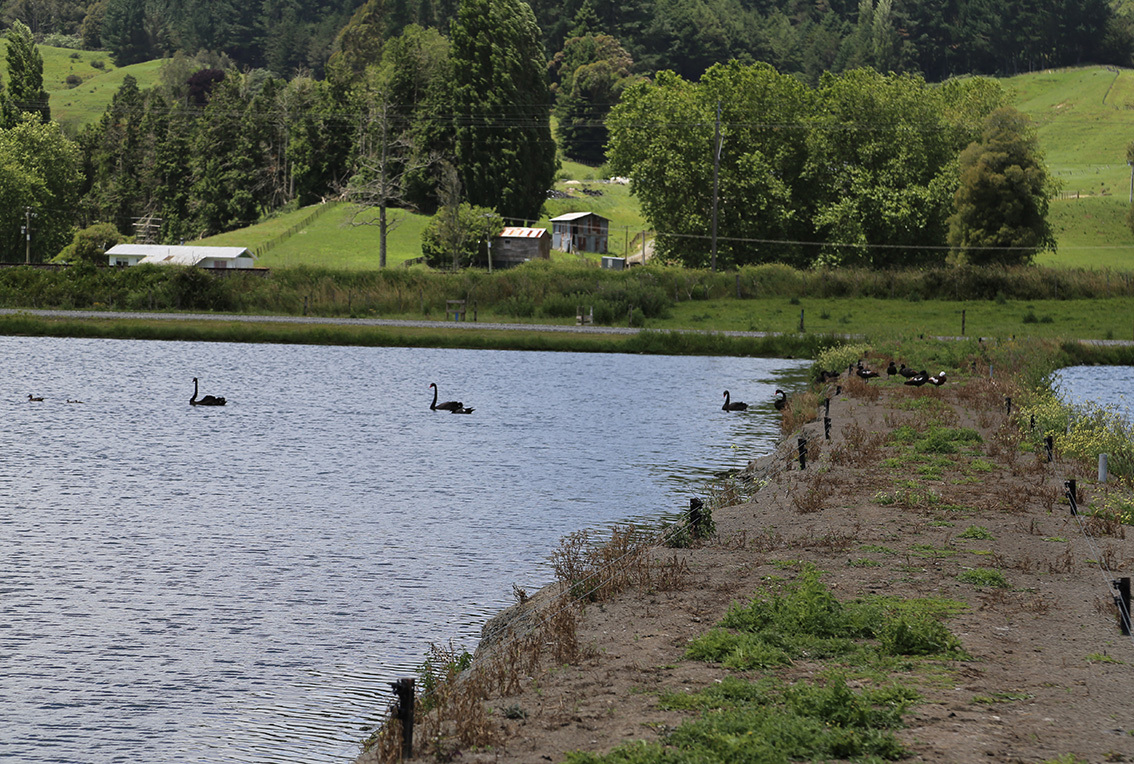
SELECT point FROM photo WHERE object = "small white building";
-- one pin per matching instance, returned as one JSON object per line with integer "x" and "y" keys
{"x": 161, "y": 254}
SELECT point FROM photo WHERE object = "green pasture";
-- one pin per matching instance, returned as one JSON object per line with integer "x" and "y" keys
{"x": 329, "y": 240}
{"x": 74, "y": 107}
{"x": 1092, "y": 233}
{"x": 1083, "y": 120}
{"x": 1111, "y": 318}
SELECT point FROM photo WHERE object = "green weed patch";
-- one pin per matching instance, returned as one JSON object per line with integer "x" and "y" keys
{"x": 767, "y": 722}
{"x": 805, "y": 619}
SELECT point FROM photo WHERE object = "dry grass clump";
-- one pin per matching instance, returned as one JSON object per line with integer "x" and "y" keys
{"x": 985, "y": 394}
{"x": 861, "y": 388}
{"x": 596, "y": 572}
{"x": 801, "y": 408}
{"x": 1104, "y": 524}
{"x": 859, "y": 448}
{"x": 814, "y": 495}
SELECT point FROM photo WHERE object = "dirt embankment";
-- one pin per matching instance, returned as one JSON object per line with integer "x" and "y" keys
{"x": 1050, "y": 673}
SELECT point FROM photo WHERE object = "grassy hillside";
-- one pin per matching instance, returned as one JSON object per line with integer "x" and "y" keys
{"x": 1085, "y": 118}
{"x": 326, "y": 239}
{"x": 76, "y": 106}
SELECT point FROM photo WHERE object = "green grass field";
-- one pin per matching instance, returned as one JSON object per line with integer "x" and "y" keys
{"x": 1084, "y": 119}
{"x": 1087, "y": 319}
{"x": 74, "y": 107}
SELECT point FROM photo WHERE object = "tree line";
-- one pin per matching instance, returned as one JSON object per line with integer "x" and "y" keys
{"x": 859, "y": 168}
{"x": 211, "y": 149}
{"x": 935, "y": 38}
{"x": 751, "y": 166}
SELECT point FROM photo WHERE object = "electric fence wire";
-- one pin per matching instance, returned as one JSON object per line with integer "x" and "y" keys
{"x": 1104, "y": 568}
{"x": 1107, "y": 574}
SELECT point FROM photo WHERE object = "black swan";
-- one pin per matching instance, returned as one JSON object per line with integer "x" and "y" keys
{"x": 33, "y": 398}
{"x": 455, "y": 407}
{"x": 208, "y": 400}
{"x": 730, "y": 405}
{"x": 781, "y": 401}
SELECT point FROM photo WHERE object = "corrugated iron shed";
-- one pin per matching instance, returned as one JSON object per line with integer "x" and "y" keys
{"x": 520, "y": 232}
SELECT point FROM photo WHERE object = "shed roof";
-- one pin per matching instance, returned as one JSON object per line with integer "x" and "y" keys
{"x": 521, "y": 232}
{"x": 178, "y": 255}
{"x": 568, "y": 217}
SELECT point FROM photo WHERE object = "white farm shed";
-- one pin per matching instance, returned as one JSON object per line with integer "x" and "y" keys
{"x": 160, "y": 254}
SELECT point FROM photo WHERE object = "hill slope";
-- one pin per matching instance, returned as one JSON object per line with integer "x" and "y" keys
{"x": 1084, "y": 119}
{"x": 76, "y": 106}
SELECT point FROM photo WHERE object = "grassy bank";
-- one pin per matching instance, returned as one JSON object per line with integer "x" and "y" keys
{"x": 648, "y": 342}
{"x": 973, "y": 301}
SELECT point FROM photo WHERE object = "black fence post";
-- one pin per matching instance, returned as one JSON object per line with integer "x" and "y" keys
{"x": 1049, "y": 446}
{"x": 1122, "y": 602}
{"x": 803, "y": 453}
{"x": 827, "y": 427}
{"x": 826, "y": 407}
{"x": 1072, "y": 495}
{"x": 1008, "y": 405}
{"x": 403, "y": 712}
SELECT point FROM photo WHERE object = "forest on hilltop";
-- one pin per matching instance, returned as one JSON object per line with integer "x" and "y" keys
{"x": 935, "y": 38}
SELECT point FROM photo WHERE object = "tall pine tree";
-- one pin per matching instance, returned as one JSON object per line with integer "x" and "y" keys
{"x": 25, "y": 73}
{"x": 505, "y": 152}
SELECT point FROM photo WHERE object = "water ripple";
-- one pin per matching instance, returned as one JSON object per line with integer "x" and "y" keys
{"x": 241, "y": 584}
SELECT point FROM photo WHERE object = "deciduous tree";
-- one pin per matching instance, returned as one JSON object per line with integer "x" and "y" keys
{"x": 1001, "y": 204}
{"x": 39, "y": 169}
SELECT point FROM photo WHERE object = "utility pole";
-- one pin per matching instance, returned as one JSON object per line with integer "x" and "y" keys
{"x": 716, "y": 179}
{"x": 26, "y": 230}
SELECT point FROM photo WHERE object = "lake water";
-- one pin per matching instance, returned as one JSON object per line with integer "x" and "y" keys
{"x": 240, "y": 584}
{"x": 1111, "y": 387}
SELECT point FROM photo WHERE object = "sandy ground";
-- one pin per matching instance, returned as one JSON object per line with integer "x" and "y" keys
{"x": 1051, "y": 674}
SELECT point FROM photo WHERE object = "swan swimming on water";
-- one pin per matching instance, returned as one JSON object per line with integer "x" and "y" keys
{"x": 208, "y": 400}
{"x": 731, "y": 405}
{"x": 454, "y": 407}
